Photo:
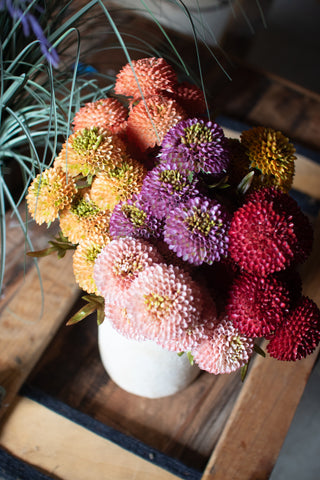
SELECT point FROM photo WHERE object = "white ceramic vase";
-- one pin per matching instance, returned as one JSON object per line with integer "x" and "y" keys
{"x": 143, "y": 368}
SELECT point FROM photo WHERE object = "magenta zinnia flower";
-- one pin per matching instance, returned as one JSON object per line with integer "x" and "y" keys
{"x": 197, "y": 146}
{"x": 165, "y": 187}
{"x": 299, "y": 335}
{"x": 166, "y": 304}
{"x": 269, "y": 233}
{"x": 119, "y": 264}
{"x": 197, "y": 231}
{"x": 225, "y": 351}
{"x": 134, "y": 218}
{"x": 257, "y": 305}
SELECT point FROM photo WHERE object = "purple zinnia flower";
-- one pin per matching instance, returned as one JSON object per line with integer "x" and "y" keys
{"x": 19, "y": 11}
{"x": 197, "y": 231}
{"x": 133, "y": 218}
{"x": 165, "y": 187}
{"x": 197, "y": 146}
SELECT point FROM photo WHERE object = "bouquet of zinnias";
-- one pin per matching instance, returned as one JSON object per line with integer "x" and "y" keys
{"x": 190, "y": 237}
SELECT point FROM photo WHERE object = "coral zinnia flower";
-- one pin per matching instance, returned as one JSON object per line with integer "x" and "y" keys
{"x": 196, "y": 146}
{"x": 84, "y": 259}
{"x": 107, "y": 113}
{"x": 151, "y": 119}
{"x": 119, "y": 264}
{"x": 151, "y": 76}
{"x": 133, "y": 218}
{"x": 83, "y": 219}
{"x": 257, "y": 305}
{"x": 269, "y": 232}
{"x": 299, "y": 335}
{"x": 191, "y": 98}
{"x": 88, "y": 151}
{"x": 165, "y": 187}
{"x": 271, "y": 155}
{"x": 49, "y": 193}
{"x": 117, "y": 184}
{"x": 197, "y": 231}
{"x": 226, "y": 351}
{"x": 122, "y": 321}
{"x": 166, "y": 304}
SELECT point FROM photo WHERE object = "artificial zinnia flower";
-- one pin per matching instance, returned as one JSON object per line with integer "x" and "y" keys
{"x": 197, "y": 146}
{"x": 191, "y": 99}
{"x": 50, "y": 192}
{"x": 197, "y": 230}
{"x": 90, "y": 150}
{"x": 165, "y": 187}
{"x": 299, "y": 335}
{"x": 84, "y": 219}
{"x": 119, "y": 264}
{"x": 150, "y": 120}
{"x": 122, "y": 321}
{"x": 225, "y": 351}
{"x": 271, "y": 156}
{"x": 107, "y": 113}
{"x": 117, "y": 184}
{"x": 269, "y": 233}
{"x": 166, "y": 304}
{"x": 84, "y": 259}
{"x": 134, "y": 218}
{"x": 151, "y": 76}
{"x": 257, "y": 305}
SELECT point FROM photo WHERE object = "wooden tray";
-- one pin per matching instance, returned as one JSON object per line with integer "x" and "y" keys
{"x": 70, "y": 420}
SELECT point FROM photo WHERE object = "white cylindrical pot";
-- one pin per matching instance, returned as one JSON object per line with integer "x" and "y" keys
{"x": 143, "y": 368}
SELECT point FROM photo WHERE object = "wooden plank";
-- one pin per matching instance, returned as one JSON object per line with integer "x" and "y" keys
{"x": 255, "y": 431}
{"x": 31, "y": 318}
{"x": 66, "y": 450}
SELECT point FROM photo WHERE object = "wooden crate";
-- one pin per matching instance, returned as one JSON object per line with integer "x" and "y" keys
{"x": 64, "y": 416}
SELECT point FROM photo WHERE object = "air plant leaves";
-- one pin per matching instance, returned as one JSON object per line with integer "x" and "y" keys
{"x": 60, "y": 245}
{"x": 94, "y": 303}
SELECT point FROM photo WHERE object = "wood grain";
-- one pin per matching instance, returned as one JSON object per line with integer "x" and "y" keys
{"x": 29, "y": 321}
{"x": 66, "y": 450}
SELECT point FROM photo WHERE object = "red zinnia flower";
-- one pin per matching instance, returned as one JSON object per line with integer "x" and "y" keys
{"x": 257, "y": 305}
{"x": 299, "y": 335}
{"x": 269, "y": 233}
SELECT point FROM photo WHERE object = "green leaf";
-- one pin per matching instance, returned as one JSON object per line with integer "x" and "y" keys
{"x": 190, "y": 358}
{"x": 94, "y": 303}
{"x": 244, "y": 371}
{"x": 259, "y": 350}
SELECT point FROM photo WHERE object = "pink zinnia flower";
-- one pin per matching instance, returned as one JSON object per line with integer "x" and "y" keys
{"x": 122, "y": 321}
{"x": 119, "y": 264}
{"x": 166, "y": 304}
{"x": 225, "y": 351}
{"x": 299, "y": 335}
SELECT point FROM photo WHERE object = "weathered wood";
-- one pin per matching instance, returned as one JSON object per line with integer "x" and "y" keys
{"x": 30, "y": 320}
{"x": 66, "y": 450}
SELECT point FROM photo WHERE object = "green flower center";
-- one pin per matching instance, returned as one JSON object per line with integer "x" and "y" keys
{"x": 157, "y": 304}
{"x": 201, "y": 222}
{"x": 92, "y": 253}
{"x": 84, "y": 209}
{"x": 236, "y": 347}
{"x": 87, "y": 140}
{"x": 196, "y": 133}
{"x": 136, "y": 216}
{"x": 174, "y": 178}
{"x": 120, "y": 171}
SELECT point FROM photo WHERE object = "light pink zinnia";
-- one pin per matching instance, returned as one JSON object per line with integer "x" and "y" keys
{"x": 122, "y": 321}
{"x": 166, "y": 304}
{"x": 119, "y": 264}
{"x": 226, "y": 351}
